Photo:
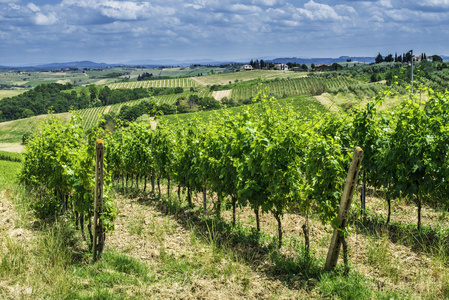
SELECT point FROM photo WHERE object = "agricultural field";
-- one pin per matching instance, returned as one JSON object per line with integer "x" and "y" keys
{"x": 10, "y": 93}
{"x": 165, "y": 248}
{"x": 233, "y": 77}
{"x": 178, "y": 82}
{"x": 33, "y": 79}
{"x": 13, "y": 131}
{"x": 289, "y": 87}
{"x": 181, "y": 71}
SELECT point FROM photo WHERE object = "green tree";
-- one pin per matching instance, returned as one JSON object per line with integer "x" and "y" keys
{"x": 378, "y": 58}
{"x": 437, "y": 58}
{"x": 389, "y": 58}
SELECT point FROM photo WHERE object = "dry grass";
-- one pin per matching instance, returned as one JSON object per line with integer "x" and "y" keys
{"x": 211, "y": 271}
{"x": 218, "y": 95}
{"x": 12, "y": 147}
{"x": 161, "y": 250}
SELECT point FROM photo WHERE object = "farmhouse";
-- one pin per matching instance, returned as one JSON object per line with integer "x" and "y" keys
{"x": 247, "y": 67}
{"x": 282, "y": 67}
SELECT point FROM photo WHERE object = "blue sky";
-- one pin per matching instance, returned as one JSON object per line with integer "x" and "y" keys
{"x": 111, "y": 31}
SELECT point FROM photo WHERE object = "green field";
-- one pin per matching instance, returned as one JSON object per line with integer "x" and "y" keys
{"x": 8, "y": 173}
{"x": 10, "y": 93}
{"x": 13, "y": 131}
{"x": 180, "y": 71}
{"x": 226, "y": 78}
{"x": 289, "y": 87}
{"x": 179, "y": 82}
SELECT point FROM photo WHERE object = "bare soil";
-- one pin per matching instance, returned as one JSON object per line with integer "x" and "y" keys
{"x": 12, "y": 147}
{"x": 218, "y": 95}
{"x": 325, "y": 100}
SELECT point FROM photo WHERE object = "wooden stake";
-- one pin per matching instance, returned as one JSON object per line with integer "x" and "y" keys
{"x": 98, "y": 240}
{"x": 204, "y": 200}
{"x": 343, "y": 212}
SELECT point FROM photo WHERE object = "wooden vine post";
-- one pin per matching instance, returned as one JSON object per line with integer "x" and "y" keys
{"x": 204, "y": 199}
{"x": 343, "y": 212}
{"x": 98, "y": 241}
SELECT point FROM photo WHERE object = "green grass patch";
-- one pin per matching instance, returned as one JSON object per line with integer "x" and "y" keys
{"x": 355, "y": 286}
{"x": 13, "y": 131}
{"x": 10, "y": 156}
{"x": 10, "y": 93}
{"x": 9, "y": 171}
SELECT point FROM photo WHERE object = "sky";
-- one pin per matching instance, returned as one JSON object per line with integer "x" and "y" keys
{"x": 112, "y": 31}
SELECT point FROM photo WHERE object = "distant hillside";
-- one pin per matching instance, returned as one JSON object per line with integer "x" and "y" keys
{"x": 149, "y": 63}
{"x": 58, "y": 66}
{"x": 318, "y": 60}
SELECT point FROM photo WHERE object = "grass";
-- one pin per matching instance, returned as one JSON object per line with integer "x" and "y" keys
{"x": 8, "y": 172}
{"x": 163, "y": 248}
{"x": 10, "y": 93}
{"x": 13, "y": 131}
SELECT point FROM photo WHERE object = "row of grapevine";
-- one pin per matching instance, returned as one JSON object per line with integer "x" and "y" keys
{"x": 177, "y": 82}
{"x": 91, "y": 116}
{"x": 259, "y": 158}
{"x": 291, "y": 87}
{"x": 406, "y": 150}
{"x": 272, "y": 159}
{"x": 59, "y": 168}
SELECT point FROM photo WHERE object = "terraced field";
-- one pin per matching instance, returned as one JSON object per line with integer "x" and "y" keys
{"x": 177, "y": 82}
{"x": 290, "y": 87}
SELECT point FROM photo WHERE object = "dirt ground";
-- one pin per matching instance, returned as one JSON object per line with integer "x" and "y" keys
{"x": 161, "y": 231}
{"x": 327, "y": 102}
{"x": 146, "y": 231}
{"x": 218, "y": 95}
{"x": 401, "y": 268}
{"x": 12, "y": 147}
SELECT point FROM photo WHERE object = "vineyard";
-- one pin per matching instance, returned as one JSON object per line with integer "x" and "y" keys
{"x": 91, "y": 116}
{"x": 264, "y": 162}
{"x": 289, "y": 87}
{"x": 234, "y": 203}
{"x": 178, "y": 82}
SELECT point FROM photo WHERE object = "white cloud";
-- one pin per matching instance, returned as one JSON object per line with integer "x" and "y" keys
{"x": 41, "y": 19}
{"x": 434, "y": 3}
{"x": 268, "y": 2}
{"x": 125, "y": 10}
{"x": 33, "y": 7}
{"x": 316, "y": 11}
{"x": 244, "y": 9}
{"x": 195, "y": 6}
{"x": 386, "y": 3}
{"x": 14, "y": 6}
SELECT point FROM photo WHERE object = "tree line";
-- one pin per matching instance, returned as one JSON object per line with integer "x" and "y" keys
{"x": 405, "y": 58}
{"x": 58, "y": 98}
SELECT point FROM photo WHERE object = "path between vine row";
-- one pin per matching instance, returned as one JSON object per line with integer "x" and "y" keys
{"x": 163, "y": 231}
